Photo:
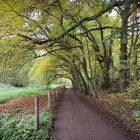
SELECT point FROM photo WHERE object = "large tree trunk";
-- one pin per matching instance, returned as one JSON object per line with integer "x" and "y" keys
{"x": 106, "y": 79}
{"x": 124, "y": 69}
{"x": 82, "y": 82}
{"x": 91, "y": 88}
{"x": 77, "y": 81}
{"x": 104, "y": 57}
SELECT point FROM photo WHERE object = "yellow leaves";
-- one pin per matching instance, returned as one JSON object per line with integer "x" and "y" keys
{"x": 45, "y": 64}
{"x": 132, "y": 101}
{"x": 42, "y": 65}
{"x": 41, "y": 69}
{"x": 56, "y": 30}
{"x": 10, "y": 20}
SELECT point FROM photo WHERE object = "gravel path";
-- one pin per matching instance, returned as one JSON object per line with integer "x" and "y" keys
{"x": 77, "y": 120}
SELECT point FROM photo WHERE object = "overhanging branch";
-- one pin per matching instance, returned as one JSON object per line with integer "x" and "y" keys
{"x": 86, "y": 19}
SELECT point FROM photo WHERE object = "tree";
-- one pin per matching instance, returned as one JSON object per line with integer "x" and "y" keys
{"x": 81, "y": 35}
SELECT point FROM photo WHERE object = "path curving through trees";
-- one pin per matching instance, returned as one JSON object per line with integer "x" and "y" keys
{"x": 77, "y": 120}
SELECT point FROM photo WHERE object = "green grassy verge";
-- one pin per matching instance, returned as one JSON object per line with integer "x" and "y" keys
{"x": 10, "y": 92}
{"x": 22, "y": 129}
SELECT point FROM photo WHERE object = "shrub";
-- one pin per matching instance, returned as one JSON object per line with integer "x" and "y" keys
{"x": 136, "y": 115}
{"x": 22, "y": 129}
{"x": 135, "y": 89}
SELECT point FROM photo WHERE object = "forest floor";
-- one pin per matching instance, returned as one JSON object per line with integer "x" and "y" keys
{"x": 76, "y": 119}
{"x": 118, "y": 108}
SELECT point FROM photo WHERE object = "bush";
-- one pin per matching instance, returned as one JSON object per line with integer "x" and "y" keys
{"x": 135, "y": 89}
{"x": 22, "y": 129}
{"x": 136, "y": 115}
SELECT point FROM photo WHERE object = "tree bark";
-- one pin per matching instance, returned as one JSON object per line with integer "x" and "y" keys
{"x": 106, "y": 79}
{"x": 124, "y": 69}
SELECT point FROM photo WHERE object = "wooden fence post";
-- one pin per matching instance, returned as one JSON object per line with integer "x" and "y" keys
{"x": 49, "y": 100}
{"x": 57, "y": 93}
{"x": 53, "y": 95}
{"x": 36, "y": 125}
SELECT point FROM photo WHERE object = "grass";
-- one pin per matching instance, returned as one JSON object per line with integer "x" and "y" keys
{"x": 12, "y": 128}
{"x": 16, "y": 125}
{"x": 8, "y": 92}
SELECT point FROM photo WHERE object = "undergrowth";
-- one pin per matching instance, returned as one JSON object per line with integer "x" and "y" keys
{"x": 22, "y": 129}
{"x": 125, "y": 106}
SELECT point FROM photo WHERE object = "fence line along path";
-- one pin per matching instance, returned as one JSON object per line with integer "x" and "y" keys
{"x": 51, "y": 97}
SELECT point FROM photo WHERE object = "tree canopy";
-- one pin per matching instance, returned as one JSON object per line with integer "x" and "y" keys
{"x": 92, "y": 43}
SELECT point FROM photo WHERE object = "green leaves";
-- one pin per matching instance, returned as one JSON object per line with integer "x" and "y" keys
{"x": 13, "y": 129}
{"x": 136, "y": 115}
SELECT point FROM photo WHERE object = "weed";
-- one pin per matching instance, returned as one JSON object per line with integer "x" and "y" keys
{"x": 22, "y": 129}
{"x": 136, "y": 115}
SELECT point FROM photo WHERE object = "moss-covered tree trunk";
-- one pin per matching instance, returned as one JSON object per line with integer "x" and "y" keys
{"x": 124, "y": 69}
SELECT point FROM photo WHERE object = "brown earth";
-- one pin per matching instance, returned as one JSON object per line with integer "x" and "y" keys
{"x": 78, "y": 120}
{"x": 22, "y": 104}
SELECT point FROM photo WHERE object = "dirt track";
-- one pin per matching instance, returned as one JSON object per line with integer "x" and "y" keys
{"x": 77, "y": 120}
